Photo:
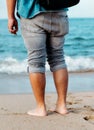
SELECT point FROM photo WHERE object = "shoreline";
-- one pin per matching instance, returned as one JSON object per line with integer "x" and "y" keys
{"x": 18, "y": 84}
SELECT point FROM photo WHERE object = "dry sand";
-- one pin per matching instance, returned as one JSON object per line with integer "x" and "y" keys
{"x": 13, "y": 115}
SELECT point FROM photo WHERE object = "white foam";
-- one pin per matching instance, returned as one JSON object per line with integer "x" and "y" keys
{"x": 13, "y": 66}
{"x": 80, "y": 63}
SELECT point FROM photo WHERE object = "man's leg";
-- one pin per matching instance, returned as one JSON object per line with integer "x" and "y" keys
{"x": 38, "y": 85}
{"x": 61, "y": 83}
{"x": 34, "y": 39}
{"x": 55, "y": 55}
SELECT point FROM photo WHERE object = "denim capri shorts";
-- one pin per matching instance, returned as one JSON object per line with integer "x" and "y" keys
{"x": 44, "y": 39}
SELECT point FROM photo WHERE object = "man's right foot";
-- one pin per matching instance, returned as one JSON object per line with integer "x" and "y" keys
{"x": 61, "y": 109}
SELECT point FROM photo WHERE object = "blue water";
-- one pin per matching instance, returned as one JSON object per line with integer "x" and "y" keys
{"x": 11, "y": 45}
{"x": 79, "y": 47}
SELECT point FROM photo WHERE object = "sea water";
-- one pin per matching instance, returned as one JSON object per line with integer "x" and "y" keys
{"x": 78, "y": 48}
{"x": 79, "y": 56}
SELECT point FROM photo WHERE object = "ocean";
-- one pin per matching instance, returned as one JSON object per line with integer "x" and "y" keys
{"x": 79, "y": 56}
{"x": 79, "y": 48}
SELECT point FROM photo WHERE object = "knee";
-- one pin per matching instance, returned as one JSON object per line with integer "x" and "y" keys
{"x": 34, "y": 67}
{"x": 57, "y": 62}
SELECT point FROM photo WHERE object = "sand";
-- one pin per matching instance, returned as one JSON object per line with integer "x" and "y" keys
{"x": 13, "y": 114}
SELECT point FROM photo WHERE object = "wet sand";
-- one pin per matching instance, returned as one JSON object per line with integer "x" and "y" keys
{"x": 19, "y": 83}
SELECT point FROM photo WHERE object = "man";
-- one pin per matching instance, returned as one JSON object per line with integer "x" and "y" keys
{"x": 43, "y": 33}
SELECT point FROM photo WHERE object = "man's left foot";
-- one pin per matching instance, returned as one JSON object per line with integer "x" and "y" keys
{"x": 37, "y": 112}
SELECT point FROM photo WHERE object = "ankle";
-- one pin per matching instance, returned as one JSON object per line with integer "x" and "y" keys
{"x": 61, "y": 103}
{"x": 41, "y": 106}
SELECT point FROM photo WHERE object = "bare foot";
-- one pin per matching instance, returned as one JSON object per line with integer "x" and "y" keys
{"x": 37, "y": 112}
{"x": 61, "y": 109}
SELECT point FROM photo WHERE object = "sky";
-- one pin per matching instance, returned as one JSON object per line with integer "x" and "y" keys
{"x": 84, "y": 9}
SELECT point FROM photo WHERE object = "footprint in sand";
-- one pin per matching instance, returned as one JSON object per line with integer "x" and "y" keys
{"x": 74, "y": 102}
{"x": 74, "y": 110}
{"x": 89, "y": 108}
{"x": 89, "y": 118}
{"x": 4, "y": 109}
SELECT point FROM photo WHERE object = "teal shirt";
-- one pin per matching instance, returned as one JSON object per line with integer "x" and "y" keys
{"x": 30, "y": 8}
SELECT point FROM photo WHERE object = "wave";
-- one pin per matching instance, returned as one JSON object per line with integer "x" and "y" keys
{"x": 80, "y": 63}
{"x": 81, "y": 38}
{"x": 9, "y": 35}
{"x": 11, "y": 65}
